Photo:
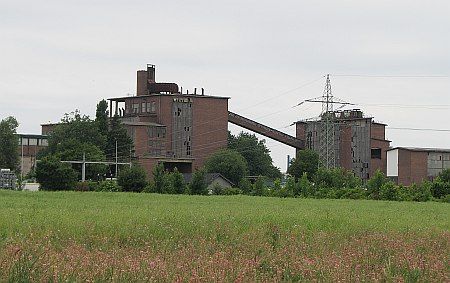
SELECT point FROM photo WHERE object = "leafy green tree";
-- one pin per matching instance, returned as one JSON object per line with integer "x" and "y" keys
{"x": 117, "y": 132}
{"x": 246, "y": 186}
{"x": 53, "y": 175}
{"x": 158, "y": 178}
{"x": 77, "y": 127}
{"x": 9, "y": 159}
{"x": 388, "y": 191}
{"x": 336, "y": 178}
{"x": 167, "y": 187}
{"x": 178, "y": 182}
{"x": 375, "y": 183}
{"x": 132, "y": 179}
{"x": 255, "y": 153}
{"x": 101, "y": 117}
{"x": 198, "y": 185}
{"x": 258, "y": 187}
{"x": 74, "y": 150}
{"x": 229, "y": 163}
{"x": 444, "y": 176}
{"x": 285, "y": 191}
{"x": 307, "y": 161}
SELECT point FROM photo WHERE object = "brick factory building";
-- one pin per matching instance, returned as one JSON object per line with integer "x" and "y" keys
{"x": 408, "y": 165}
{"x": 166, "y": 125}
{"x": 29, "y": 147}
{"x": 359, "y": 143}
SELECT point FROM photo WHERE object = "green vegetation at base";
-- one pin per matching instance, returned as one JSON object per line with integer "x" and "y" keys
{"x": 128, "y": 236}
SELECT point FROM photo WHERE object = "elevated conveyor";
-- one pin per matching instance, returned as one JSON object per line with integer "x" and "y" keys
{"x": 265, "y": 130}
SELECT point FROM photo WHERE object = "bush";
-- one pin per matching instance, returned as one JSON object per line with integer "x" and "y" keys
{"x": 375, "y": 183}
{"x": 177, "y": 180}
{"x": 246, "y": 186}
{"x": 219, "y": 190}
{"x": 53, "y": 175}
{"x": 440, "y": 188}
{"x": 258, "y": 187}
{"x": 422, "y": 192}
{"x": 197, "y": 185}
{"x": 108, "y": 186}
{"x": 388, "y": 191}
{"x": 132, "y": 179}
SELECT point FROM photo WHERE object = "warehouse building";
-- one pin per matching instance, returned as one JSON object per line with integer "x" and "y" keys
{"x": 356, "y": 142}
{"x": 171, "y": 127}
{"x": 408, "y": 165}
{"x": 29, "y": 147}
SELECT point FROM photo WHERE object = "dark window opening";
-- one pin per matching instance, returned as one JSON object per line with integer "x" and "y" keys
{"x": 375, "y": 153}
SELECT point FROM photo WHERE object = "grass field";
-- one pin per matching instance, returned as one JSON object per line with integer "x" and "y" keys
{"x": 73, "y": 236}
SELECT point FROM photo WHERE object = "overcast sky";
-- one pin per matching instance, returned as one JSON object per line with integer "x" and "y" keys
{"x": 58, "y": 56}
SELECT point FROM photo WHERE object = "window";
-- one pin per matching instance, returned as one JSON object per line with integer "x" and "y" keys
{"x": 135, "y": 107}
{"x": 375, "y": 153}
{"x": 32, "y": 142}
{"x": 143, "y": 107}
{"x": 153, "y": 109}
{"x": 44, "y": 142}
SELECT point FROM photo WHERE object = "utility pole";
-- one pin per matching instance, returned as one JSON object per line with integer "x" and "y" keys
{"x": 116, "y": 161}
{"x": 83, "y": 168}
{"x": 21, "y": 162}
{"x": 327, "y": 142}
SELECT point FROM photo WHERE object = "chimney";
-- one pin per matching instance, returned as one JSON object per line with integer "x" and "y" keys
{"x": 195, "y": 91}
{"x": 151, "y": 73}
{"x": 203, "y": 91}
{"x": 142, "y": 78}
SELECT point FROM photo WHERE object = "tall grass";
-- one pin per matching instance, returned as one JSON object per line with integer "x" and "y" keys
{"x": 122, "y": 236}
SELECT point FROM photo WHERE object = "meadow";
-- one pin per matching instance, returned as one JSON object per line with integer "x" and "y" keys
{"x": 89, "y": 236}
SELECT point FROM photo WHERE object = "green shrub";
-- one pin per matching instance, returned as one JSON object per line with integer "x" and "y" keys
{"x": 197, "y": 185}
{"x": 53, "y": 175}
{"x": 421, "y": 192}
{"x": 389, "y": 191}
{"x": 440, "y": 188}
{"x": 375, "y": 183}
{"x": 219, "y": 190}
{"x": 246, "y": 186}
{"x": 132, "y": 179}
{"x": 108, "y": 186}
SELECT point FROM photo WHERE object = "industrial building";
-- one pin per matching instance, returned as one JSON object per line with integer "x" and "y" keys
{"x": 29, "y": 147}
{"x": 354, "y": 142}
{"x": 171, "y": 127}
{"x": 408, "y": 165}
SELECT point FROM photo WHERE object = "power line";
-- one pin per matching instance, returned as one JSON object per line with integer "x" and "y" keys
{"x": 418, "y": 129}
{"x": 390, "y": 76}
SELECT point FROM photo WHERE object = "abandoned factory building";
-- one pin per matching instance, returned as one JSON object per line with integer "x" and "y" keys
{"x": 171, "y": 127}
{"x": 354, "y": 142}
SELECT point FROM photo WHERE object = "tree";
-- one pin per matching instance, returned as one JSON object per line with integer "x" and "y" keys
{"x": 229, "y": 163}
{"x": 9, "y": 159}
{"x": 375, "y": 183}
{"x": 132, "y": 179}
{"x": 198, "y": 185}
{"x": 75, "y": 150}
{"x": 75, "y": 126}
{"x": 53, "y": 175}
{"x": 307, "y": 161}
{"x": 117, "y": 132}
{"x": 101, "y": 117}
{"x": 158, "y": 178}
{"x": 178, "y": 182}
{"x": 255, "y": 153}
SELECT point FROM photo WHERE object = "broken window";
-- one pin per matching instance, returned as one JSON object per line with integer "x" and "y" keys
{"x": 375, "y": 153}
